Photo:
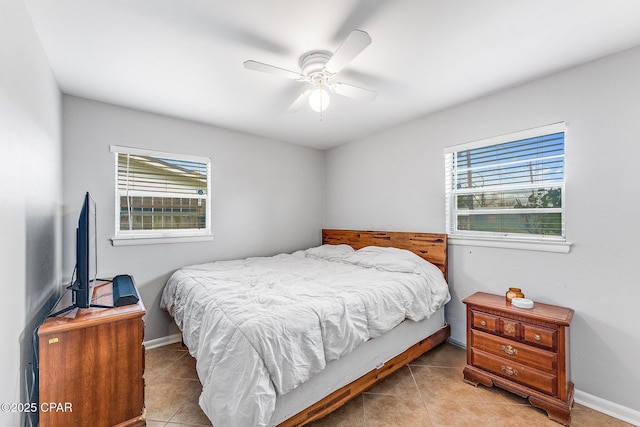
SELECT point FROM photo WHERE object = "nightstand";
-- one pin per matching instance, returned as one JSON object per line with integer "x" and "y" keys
{"x": 524, "y": 351}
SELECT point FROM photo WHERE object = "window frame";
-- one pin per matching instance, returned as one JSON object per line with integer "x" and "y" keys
{"x": 141, "y": 237}
{"x": 503, "y": 239}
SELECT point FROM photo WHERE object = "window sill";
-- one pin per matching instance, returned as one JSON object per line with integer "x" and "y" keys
{"x": 131, "y": 241}
{"x": 520, "y": 244}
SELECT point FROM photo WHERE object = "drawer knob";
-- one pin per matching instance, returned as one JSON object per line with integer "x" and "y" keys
{"x": 509, "y": 370}
{"x": 509, "y": 349}
{"x": 483, "y": 322}
{"x": 537, "y": 337}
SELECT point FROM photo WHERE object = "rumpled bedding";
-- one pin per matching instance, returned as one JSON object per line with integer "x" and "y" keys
{"x": 259, "y": 327}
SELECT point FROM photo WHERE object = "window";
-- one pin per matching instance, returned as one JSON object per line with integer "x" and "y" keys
{"x": 161, "y": 195}
{"x": 509, "y": 187}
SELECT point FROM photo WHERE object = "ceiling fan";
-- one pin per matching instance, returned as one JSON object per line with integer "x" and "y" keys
{"x": 318, "y": 68}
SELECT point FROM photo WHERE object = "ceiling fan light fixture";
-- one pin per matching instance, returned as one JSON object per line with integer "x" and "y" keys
{"x": 319, "y": 100}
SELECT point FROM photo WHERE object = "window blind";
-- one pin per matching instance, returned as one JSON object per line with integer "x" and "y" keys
{"x": 508, "y": 186}
{"x": 161, "y": 193}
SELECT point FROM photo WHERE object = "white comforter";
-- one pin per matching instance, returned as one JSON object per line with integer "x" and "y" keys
{"x": 261, "y": 326}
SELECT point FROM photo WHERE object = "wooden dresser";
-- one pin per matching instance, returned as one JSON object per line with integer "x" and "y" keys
{"x": 524, "y": 351}
{"x": 91, "y": 364}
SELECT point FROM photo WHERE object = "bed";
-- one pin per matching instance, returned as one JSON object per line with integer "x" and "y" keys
{"x": 285, "y": 340}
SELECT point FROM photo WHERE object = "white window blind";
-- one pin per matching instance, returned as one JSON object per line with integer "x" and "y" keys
{"x": 161, "y": 194}
{"x": 508, "y": 187}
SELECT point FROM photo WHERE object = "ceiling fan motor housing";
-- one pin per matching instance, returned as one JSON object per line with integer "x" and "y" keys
{"x": 312, "y": 65}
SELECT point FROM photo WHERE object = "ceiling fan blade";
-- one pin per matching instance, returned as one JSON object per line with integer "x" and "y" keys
{"x": 299, "y": 102}
{"x": 355, "y": 92}
{"x": 266, "y": 68}
{"x": 355, "y": 43}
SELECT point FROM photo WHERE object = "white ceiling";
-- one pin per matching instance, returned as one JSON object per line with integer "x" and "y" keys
{"x": 184, "y": 58}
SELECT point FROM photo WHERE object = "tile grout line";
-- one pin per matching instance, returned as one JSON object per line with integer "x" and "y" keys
{"x": 167, "y": 369}
{"x": 422, "y": 400}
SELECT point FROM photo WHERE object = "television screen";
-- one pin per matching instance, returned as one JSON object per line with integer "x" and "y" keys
{"x": 86, "y": 254}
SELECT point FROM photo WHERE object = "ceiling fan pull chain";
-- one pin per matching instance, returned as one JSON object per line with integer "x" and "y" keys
{"x": 322, "y": 107}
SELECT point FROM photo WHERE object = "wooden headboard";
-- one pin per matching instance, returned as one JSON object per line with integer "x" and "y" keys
{"x": 430, "y": 246}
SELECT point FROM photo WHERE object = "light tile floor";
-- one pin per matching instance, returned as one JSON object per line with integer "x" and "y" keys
{"x": 427, "y": 393}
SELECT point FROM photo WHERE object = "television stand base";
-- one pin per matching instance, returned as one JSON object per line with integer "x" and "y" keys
{"x": 72, "y": 306}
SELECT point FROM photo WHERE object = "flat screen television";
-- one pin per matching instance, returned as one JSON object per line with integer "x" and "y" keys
{"x": 86, "y": 269}
{"x": 86, "y": 254}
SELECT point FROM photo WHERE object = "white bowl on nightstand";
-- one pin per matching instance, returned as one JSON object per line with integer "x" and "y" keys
{"x": 522, "y": 302}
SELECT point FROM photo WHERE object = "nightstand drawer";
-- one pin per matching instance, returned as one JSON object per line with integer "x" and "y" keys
{"x": 515, "y": 351}
{"x": 509, "y": 328}
{"x": 484, "y": 321}
{"x": 515, "y": 371}
{"x": 539, "y": 336}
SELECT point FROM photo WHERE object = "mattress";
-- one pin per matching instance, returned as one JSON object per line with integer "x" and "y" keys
{"x": 263, "y": 327}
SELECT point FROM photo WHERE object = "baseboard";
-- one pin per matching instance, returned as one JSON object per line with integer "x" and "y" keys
{"x": 457, "y": 343}
{"x": 607, "y": 407}
{"x": 162, "y": 341}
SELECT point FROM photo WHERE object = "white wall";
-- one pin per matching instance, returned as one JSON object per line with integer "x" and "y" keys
{"x": 267, "y": 196}
{"x": 395, "y": 181}
{"x": 30, "y": 197}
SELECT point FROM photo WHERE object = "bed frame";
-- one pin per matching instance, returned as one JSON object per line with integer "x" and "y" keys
{"x": 430, "y": 246}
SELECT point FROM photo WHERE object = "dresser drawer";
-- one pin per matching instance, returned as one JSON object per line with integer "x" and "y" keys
{"x": 515, "y": 371}
{"x": 539, "y": 336}
{"x": 485, "y": 322}
{"x": 515, "y": 351}
{"x": 509, "y": 328}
